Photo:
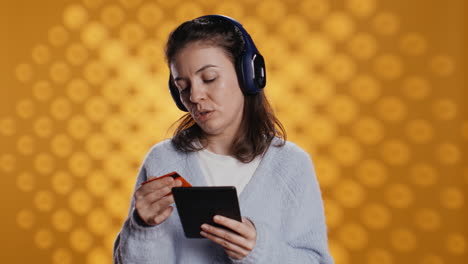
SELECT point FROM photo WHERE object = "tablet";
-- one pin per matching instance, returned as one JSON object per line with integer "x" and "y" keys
{"x": 198, "y": 205}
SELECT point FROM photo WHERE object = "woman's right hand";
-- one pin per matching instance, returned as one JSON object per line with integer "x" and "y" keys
{"x": 151, "y": 204}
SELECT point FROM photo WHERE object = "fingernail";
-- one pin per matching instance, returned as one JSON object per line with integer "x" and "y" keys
{"x": 204, "y": 226}
{"x": 217, "y": 217}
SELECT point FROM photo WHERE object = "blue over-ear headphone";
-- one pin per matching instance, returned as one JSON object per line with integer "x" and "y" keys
{"x": 250, "y": 66}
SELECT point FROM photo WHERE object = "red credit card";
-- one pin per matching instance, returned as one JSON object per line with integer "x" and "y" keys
{"x": 175, "y": 176}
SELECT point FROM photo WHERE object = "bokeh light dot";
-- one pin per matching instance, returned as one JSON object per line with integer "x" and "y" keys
{"x": 78, "y": 90}
{"x": 98, "y": 255}
{"x": 317, "y": 47}
{"x": 44, "y": 238}
{"x": 315, "y": 10}
{"x": 271, "y": 11}
{"x": 334, "y": 213}
{"x": 415, "y": 87}
{"x": 79, "y": 127}
{"x": 322, "y": 89}
{"x": 338, "y": 25}
{"x": 423, "y": 174}
{"x": 341, "y": 68}
{"x": 7, "y": 162}
{"x": 353, "y": 236}
{"x": 130, "y": 3}
{"x": 419, "y": 131}
{"x": 62, "y": 256}
{"x": 60, "y": 108}
{"x": 445, "y": 109}
{"x": 403, "y": 240}
{"x": 25, "y": 108}
{"x": 431, "y": 259}
{"x": 368, "y": 130}
{"x": 132, "y": 34}
{"x": 58, "y": 36}
{"x": 232, "y": 9}
{"x": 24, "y": 72}
{"x": 391, "y": 108}
{"x": 98, "y": 184}
{"x": 349, "y": 193}
{"x": 42, "y": 90}
{"x": 396, "y": 152}
{"x": 362, "y": 45}
{"x": 81, "y": 240}
{"x": 427, "y": 219}
{"x": 342, "y": 109}
{"x": 44, "y": 163}
{"x": 80, "y": 164}
{"x": 361, "y": 8}
{"x": 322, "y": 131}
{"x": 399, "y": 195}
{"x": 365, "y": 88}
{"x": 376, "y": 216}
{"x": 62, "y": 220}
{"x": 62, "y": 182}
{"x": 93, "y": 34}
{"x": 293, "y": 28}
{"x": 413, "y": 44}
{"x": 448, "y": 153}
{"x": 456, "y": 243}
{"x": 61, "y": 145}
{"x": 188, "y": 10}
{"x": 97, "y": 109}
{"x": 116, "y": 204}
{"x": 371, "y": 173}
{"x": 346, "y": 151}
{"x": 112, "y": 53}
{"x": 26, "y": 181}
{"x": 442, "y": 65}
{"x": 25, "y": 218}
{"x": 452, "y": 198}
{"x": 379, "y": 256}
{"x": 44, "y": 200}
{"x": 386, "y": 23}
{"x": 80, "y": 201}
{"x": 93, "y": 4}
{"x": 76, "y": 54}
{"x": 7, "y": 126}
{"x": 60, "y": 72}
{"x": 43, "y": 126}
{"x": 75, "y": 16}
{"x": 339, "y": 252}
{"x": 327, "y": 170}
{"x": 96, "y": 72}
{"x": 149, "y": 14}
{"x": 99, "y": 222}
{"x": 41, "y": 54}
{"x": 388, "y": 66}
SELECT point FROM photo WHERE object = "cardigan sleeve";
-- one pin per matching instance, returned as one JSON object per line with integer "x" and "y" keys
{"x": 138, "y": 242}
{"x": 304, "y": 239}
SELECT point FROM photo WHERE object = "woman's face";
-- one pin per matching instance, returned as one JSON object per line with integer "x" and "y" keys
{"x": 208, "y": 86}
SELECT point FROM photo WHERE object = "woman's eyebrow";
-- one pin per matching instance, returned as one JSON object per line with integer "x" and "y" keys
{"x": 204, "y": 67}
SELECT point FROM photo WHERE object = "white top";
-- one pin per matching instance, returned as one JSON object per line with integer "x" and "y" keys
{"x": 222, "y": 170}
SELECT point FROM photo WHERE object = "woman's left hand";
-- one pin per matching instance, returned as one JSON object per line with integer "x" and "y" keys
{"x": 238, "y": 245}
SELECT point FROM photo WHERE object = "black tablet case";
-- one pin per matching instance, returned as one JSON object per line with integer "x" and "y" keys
{"x": 198, "y": 205}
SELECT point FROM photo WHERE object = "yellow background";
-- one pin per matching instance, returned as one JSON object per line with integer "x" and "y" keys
{"x": 374, "y": 90}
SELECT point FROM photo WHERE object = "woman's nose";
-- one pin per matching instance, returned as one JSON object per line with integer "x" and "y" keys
{"x": 197, "y": 93}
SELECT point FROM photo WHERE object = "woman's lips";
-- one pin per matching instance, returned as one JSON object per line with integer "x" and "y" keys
{"x": 203, "y": 115}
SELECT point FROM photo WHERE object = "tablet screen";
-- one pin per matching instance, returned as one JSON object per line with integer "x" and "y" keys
{"x": 198, "y": 205}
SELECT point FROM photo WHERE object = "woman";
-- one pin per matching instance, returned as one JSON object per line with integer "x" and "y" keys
{"x": 229, "y": 137}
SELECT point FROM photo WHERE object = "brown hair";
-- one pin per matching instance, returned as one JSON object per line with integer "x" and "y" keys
{"x": 259, "y": 126}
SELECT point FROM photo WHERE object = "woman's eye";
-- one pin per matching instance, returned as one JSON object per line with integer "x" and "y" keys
{"x": 209, "y": 80}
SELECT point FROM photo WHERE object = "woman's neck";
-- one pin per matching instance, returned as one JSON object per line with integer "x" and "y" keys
{"x": 218, "y": 144}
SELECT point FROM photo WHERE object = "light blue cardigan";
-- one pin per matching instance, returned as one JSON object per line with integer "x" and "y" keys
{"x": 282, "y": 199}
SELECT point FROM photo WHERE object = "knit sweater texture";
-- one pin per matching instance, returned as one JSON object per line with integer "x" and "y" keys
{"x": 283, "y": 201}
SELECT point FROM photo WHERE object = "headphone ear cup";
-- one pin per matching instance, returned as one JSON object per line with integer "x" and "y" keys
{"x": 175, "y": 95}
{"x": 251, "y": 73}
